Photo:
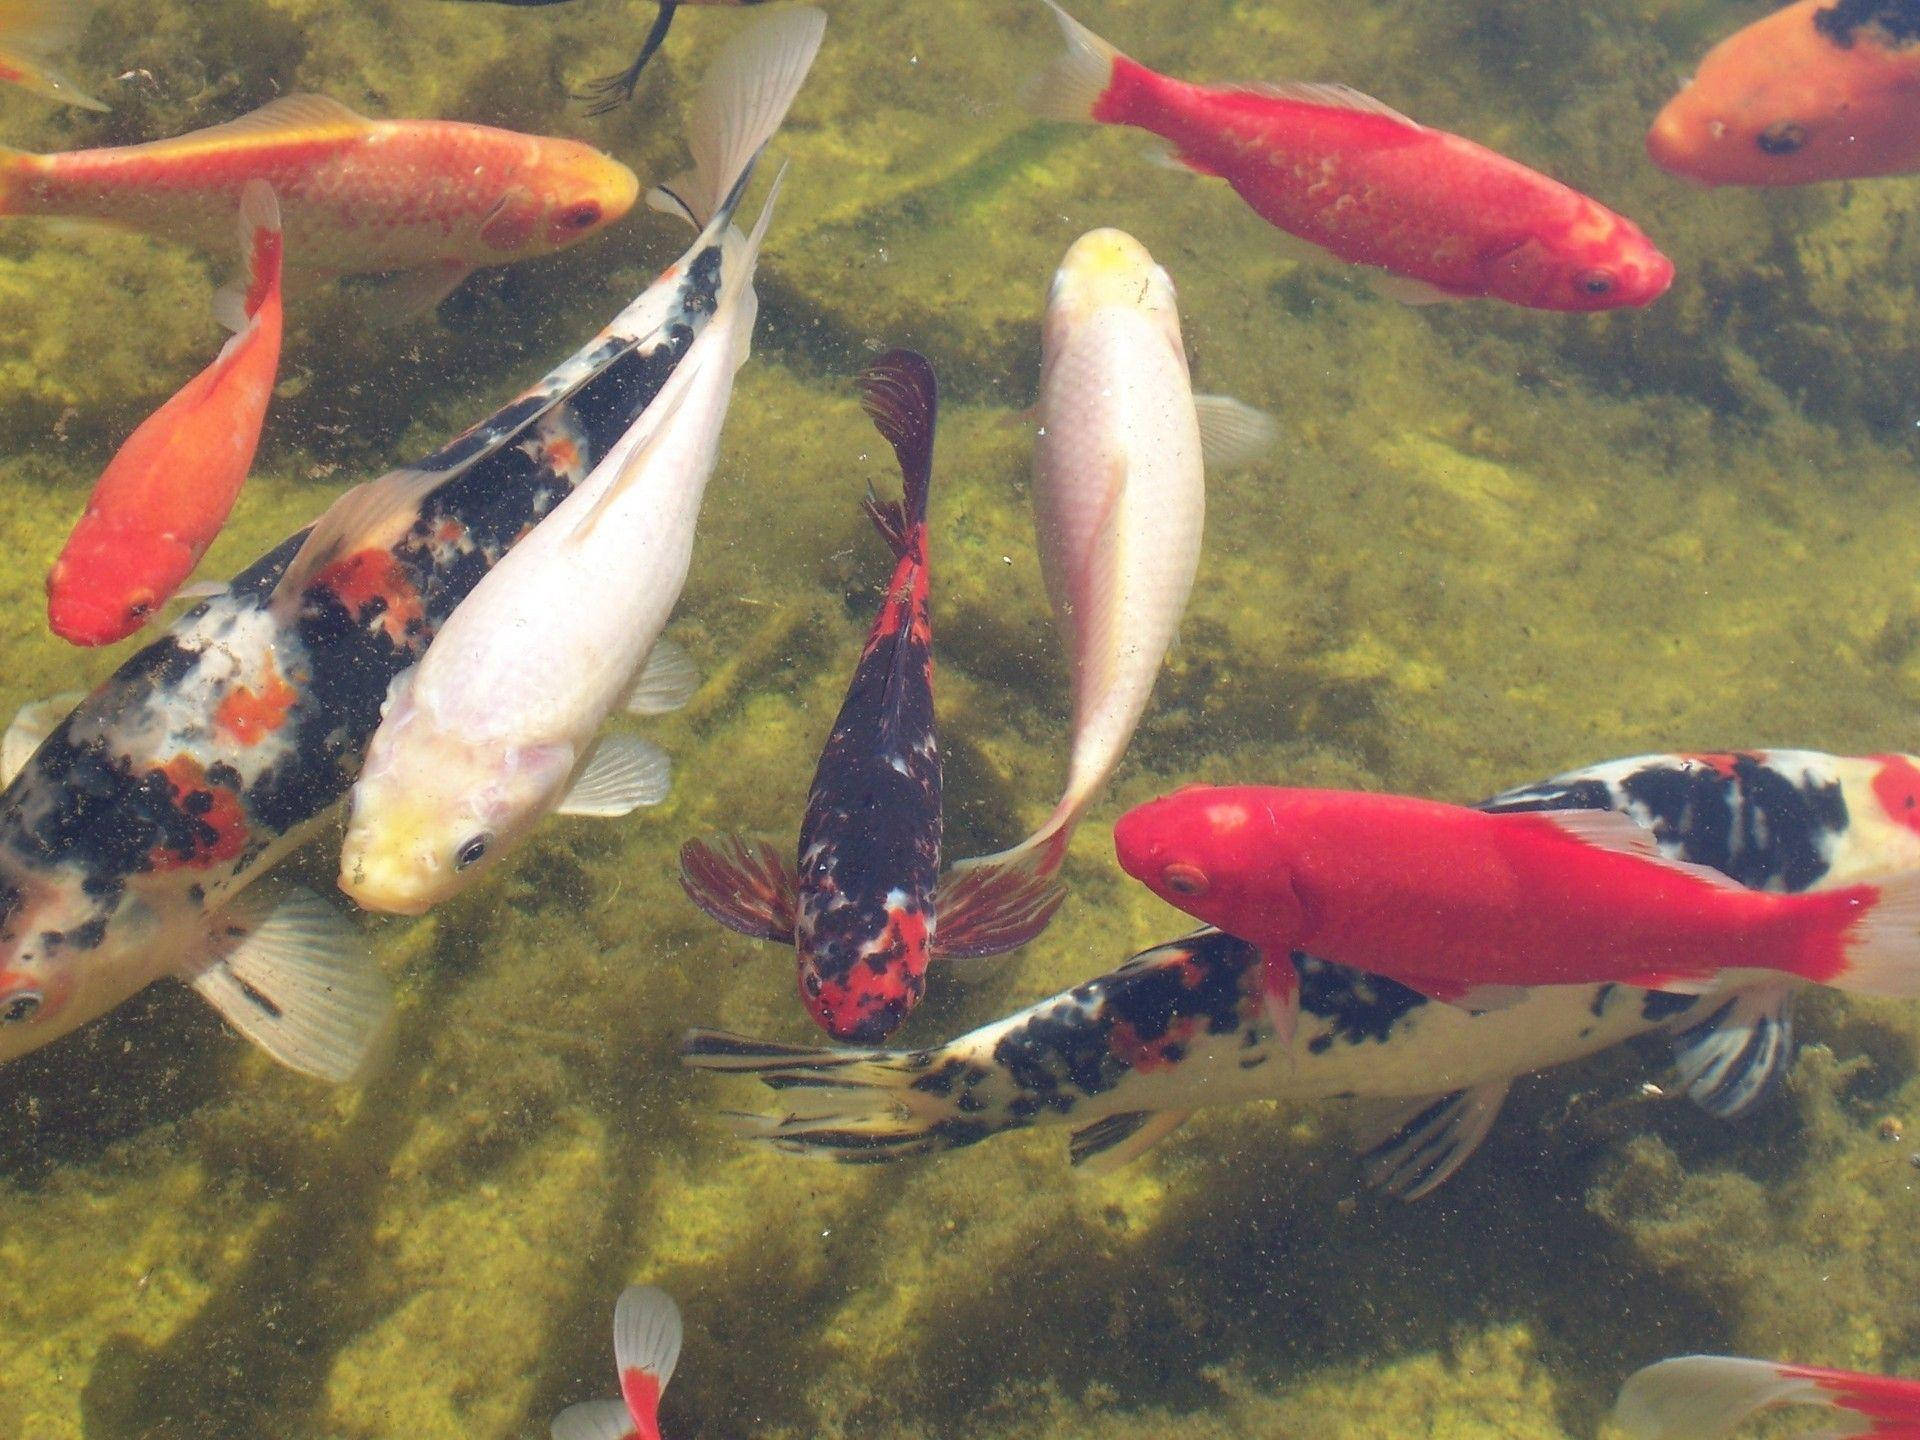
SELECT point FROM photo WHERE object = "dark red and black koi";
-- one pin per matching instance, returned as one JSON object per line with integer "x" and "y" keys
{"x": 865, "y": 907}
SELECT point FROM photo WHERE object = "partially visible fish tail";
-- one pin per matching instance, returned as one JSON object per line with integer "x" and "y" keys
{"x": 1882, "y": 944}
{"x": 1073, "y": 86}
{"x": 741, "y": 103}
{"x": 30, "y": 31}
{"x": 902, "y": 398}
{"x": 14, "y": 165}
{"x": 260, "y": 255}
{"x": 1040, "y": 855}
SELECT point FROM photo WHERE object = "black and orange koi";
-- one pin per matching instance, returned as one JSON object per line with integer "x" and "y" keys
{"x": 861, "y": 908}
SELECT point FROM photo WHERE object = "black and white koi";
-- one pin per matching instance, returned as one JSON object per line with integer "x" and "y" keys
{"x": 1126, "y": 1057}
{"x": 862, "y": 909}
{"x": 127, "y": 839}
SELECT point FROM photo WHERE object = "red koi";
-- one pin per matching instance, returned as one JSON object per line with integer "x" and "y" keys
{"x": 1461, "y": 904}
{"x": 1443, "y": 217}
{"x": 169, "y": 490}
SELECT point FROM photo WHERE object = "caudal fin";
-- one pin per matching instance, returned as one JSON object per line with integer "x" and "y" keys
{"x": 261, "y": 245}
{"x": 1703, "y": 1397}
{"x": 860, "y": 1107}
{"x": 902, "y": 397}
{"x": 1883, "y": 946}
{"x": 1072, "y": 86}
{"x": 741, "y": 103}
{"x": 646, "y": 1346}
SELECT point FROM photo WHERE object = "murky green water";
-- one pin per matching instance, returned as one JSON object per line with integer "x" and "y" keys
{"x": 1493, "y": 545}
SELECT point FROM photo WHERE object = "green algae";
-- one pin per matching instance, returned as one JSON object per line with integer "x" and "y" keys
{"x": 1492, "y": 545}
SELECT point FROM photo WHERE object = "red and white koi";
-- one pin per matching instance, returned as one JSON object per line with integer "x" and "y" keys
{"x": 128, "y": 839}
{"x": 866, "y": 907}
{"x": 1464, "y": 905}
{"x": 1119, "y": 500}
{"x": 1126, "y": 1056}
{"x": 1706, "y": 1397}
{"x": 490, "y": 733}
{"x": 30, "y": 32}
{"x": 168, "y": 491}
{"x": 647, "y": 1335}
{"x": 1441, "y": 217}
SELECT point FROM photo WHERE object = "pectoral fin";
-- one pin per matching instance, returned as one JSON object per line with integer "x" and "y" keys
{"x": 1118, "y": 1140}
{"x": 621, "y": 774}
{"x": 1424, "y": 1145}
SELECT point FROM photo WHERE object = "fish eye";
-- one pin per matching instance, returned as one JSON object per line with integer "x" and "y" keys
{"x": 1594, "y": 282}
{"x": 471, "y": 853}
{"x": 20, "y": 1008}
{"x": 1183, "y": 879}
{"x": 580, "y": 216}
{"x": 1783, "y": 137}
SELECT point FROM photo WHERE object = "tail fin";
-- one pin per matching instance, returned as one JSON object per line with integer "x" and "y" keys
{"x": 646, "y": 1347}
{"x": 1040, "y": 855}
{"x": 260, "y": 257}
{"x": 902, "y": 398}
{"x": 1883, "y": 946}
{"x": 1072, "y": 86}
{"x": 31, "y": 30}
{"x": 855, "y": 1106}
{"x": 741, "y": 103}
{"x": 1703, "y": 1397}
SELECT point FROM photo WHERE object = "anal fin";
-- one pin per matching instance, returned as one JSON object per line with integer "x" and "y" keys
{"x": 1118, "y": 1140}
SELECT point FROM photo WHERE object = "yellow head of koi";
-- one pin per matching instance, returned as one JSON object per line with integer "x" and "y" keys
{"x": 566, "y": 192}
{"x": 1109, "y": 269}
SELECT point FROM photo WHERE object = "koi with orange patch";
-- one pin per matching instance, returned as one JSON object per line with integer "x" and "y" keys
{"x": 169, "y": 490}
{"x": 426, "y": 201}
{"x": 1822, "y": 90}
{"x": 30, "y": 31}
{"x": 131, "y": 836}
{"x": 862, "y": 905}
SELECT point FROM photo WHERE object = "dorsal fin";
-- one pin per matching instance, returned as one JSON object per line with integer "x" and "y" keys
{"x": 1611, "y": 830}
{"x": 278, "y": 117}
{"x": 1330, "y": 96}
{"x": 356, "y": 517}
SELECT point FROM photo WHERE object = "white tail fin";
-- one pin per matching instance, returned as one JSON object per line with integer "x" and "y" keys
{"x": 234, "y": 304}
{"x": 1079, "y": 76}
{"x": 1703, "y": 1397}
{"x": 33, "y": 30}
{"x": 742, "y": 102}
{"x": 647, "y": 1333}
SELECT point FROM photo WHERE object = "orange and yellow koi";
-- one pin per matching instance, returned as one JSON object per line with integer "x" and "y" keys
{"x": 169, "y": 490}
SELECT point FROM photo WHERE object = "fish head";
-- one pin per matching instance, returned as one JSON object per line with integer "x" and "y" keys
{"x": 1107, "y": 269}
{"x": 434, "y": 810}
{"x": 106, "y": 586}
{"x": 1778, "y": 103}
{"x": 574, "y": 192}
{"x": 52, "y": 936}
{"x": 1217, "y": 853}
{"x": 1601, "y": 261}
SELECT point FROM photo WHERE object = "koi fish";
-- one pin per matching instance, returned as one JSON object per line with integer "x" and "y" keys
{"x": 1125, "y": 1057}
{"x": 1118, "y": 500}
{"x": 30, "y": 31}
{"x": 128, "y": 839}
{"x": 1466, "y": 905}
{"x": 496, "y": 728}
{"x": 614, "y": 90}
{"x": 427, "y": 201}
{"x": 1441, "y": 217}
{"x": 1822, "y": 90}
{"x": 1704, "y": 1397}
{"x": 866, "y": 907}
{"x": 646, "y": 1348}
{"x": 170, "y": 488}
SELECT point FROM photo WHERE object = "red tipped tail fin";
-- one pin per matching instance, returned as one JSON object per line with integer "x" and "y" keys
{"x": 1074, "y": 85}
{"x": 1703, "y": 1397}
{"x": 1882, "y": 945}
{"x": 902, "y": 397}
{"x": 743, "y": 883}
{"x": 261, "y": 253}
{"x": 646, "y": 1346}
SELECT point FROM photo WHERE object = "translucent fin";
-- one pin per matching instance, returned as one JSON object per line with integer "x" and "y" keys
{"x": 1883, "y": 949}
{"x": 1727, "y": 1060}
{"x": 293, "y": 975}
{"x": 743, "y": 883}
{"x": 666, "y": 682}
{"x": 1704, "y": 1397}
{"x": 1328, "y": 95}
{"x": 1407, "y": 290}
{"x": 34, "y": 722}
{"x": 31, "y": 31}
{"x": 402, "y": 295}
{"x": 234, "y": 304}
{"x": 1424, "y": 1145}
{"x": 1232, "y": 433}
{"x": 1073, "y": 84}
{"x": 369, "y": 514}
{"x": 902, "y": 398}
{"x": 594, "y": 1420}
{"x": 1116, "y": 1141}
{"x": 647, "y": 1333}
{"x": 989, "y": 909}
{"x": 1280, "y": 996}
{"x": 621, "y": 774}
{"x": 745, "y": 96}
{"x": 311, "y": 116}
{"x": 1612, "y": 830}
